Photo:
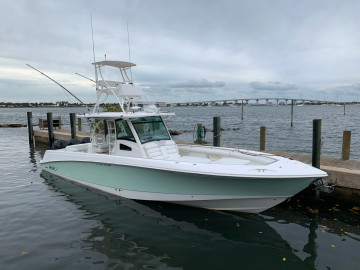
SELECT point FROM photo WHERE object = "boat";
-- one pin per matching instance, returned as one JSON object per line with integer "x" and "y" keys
{"x": 135, "y": 157}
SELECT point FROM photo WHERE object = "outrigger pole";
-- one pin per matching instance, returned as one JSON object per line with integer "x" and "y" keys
{"x": 60, "y": 86}
{"x": 85, "y": 77}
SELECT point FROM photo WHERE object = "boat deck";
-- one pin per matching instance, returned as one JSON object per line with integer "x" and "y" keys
{"x": 324, "y": 161}
{"x": 342, "y": 173}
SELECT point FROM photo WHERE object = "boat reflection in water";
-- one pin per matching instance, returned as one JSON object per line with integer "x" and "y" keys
{"x": 140, "y": 234}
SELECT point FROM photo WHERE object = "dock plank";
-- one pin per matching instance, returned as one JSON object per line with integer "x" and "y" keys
{"x": 41, "y": 135}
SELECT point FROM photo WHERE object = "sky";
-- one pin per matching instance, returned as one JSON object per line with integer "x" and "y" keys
{"x": 184, "y": 50}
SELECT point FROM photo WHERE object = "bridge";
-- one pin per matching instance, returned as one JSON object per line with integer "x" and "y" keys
{"x": 268, "y": 101}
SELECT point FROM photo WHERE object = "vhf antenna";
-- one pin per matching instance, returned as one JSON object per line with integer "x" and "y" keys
{"x": 92, "y": 37}
{"x": 93, "y": 45}
{"x": 127, "y": 27}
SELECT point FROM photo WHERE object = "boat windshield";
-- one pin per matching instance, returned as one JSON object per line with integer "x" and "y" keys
{"x": 150, "y": 128}
{"x": 123, "y": 131}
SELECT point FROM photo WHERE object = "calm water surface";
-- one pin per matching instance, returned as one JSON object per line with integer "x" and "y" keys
{"x": 50, "y": 223}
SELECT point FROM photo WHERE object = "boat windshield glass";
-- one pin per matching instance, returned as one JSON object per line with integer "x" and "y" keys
{"x": 123, "y": 131}
{"x": 150, "y": 128}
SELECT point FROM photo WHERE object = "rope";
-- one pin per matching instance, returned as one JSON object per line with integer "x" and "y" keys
{"x": 217, "y": 135}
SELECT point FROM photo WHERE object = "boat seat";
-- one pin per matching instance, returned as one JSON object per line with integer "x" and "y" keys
{"x": 153, "y": 150}
{"x": 77, "y": 148}
{"x": 168, "y": 150}
{"x": 171, "y": 149}
{"x": 231, "y": 161}
{"x": 100, "y": 144}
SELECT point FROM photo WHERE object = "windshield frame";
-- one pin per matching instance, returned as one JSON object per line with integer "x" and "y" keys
{"x": 150, "y": 120}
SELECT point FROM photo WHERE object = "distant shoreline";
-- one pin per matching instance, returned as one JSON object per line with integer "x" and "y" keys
{"x": 252, "y": 105}
{"x": 16, "y": 107}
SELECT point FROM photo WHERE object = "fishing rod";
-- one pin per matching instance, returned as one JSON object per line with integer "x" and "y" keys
{"x": 59, "y": 85}
{"x": 85, "y": 77}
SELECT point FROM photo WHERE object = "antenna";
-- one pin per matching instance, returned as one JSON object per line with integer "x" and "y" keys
{"x": 92, "y": 36}
{"x": 127, "y": 27}
{"x": 93, "y": 45}
{"x": 85, "y": 77}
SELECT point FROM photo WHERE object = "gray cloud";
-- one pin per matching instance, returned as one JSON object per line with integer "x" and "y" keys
{"x": 273, "y": 86}
{"x": 242, "y": 43}
{"x": 198, "y": 84}
{"x": 349, "y": 92}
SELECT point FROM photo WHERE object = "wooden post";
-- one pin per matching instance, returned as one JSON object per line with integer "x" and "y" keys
{"x": 292, "y": 113}
{"x": 345, "y": 155}
{"x": 217, "y": 131}
{"x": 79, "y": 124}
{"x": 316, "y": 150}
{"x": 242, "y": 110}
{"x": 316, "y": 143}
{"x": 344, "y": 109}
{"x": 73, "y": 125}
{"x": 262, "y": 138}
{"x": 198, "y": 134}
{"x": 50, "y": 128}
{"x": 30, "y": 128}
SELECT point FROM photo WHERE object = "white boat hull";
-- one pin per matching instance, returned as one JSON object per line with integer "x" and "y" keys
{"x": 212, "y": 186}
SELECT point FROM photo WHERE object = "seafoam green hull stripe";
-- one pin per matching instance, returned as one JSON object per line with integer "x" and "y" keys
{"x": 151, "y": 180}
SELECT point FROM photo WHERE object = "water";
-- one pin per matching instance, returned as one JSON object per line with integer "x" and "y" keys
{"x": 279, "y": 134}
{"x": 50, "y": 223}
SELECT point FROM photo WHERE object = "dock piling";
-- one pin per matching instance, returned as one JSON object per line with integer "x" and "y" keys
{"x": 198, "y": 136}
{"x": 30, "y": 128}
{"x": 345, "y": 154}
{"x": 262, "y": 138}
{"x": 316, "y": 143}
{"x": 50, "y": 128}
{"x": 242, "y": 110}
{"x": 72, "y": 125}
{"x": 79, "y": 124}
{"x": 292, "y": 113}
{"x": 316, "y": 150}
{"x": 217, "y": 131}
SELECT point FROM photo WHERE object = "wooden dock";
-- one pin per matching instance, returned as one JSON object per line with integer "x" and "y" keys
{"x": 42, "y": 136}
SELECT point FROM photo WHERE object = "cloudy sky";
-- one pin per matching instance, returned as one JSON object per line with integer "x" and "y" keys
{"x": 184, "y": 50}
